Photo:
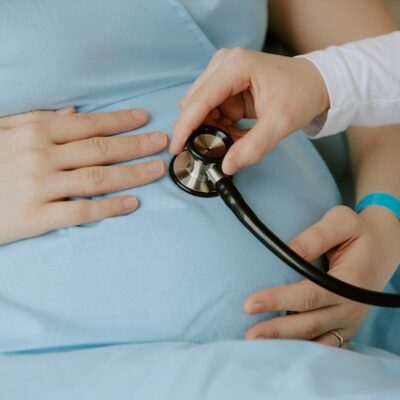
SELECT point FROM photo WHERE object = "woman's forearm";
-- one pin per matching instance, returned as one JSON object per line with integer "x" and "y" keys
{"x": 375, "y": 159}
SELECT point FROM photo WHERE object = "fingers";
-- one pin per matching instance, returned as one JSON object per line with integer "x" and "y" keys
{"x": 318, "y": 310}
{"x": 79, "y": 212}
{"x": 93, "y": 181}
{"x": 68, "y": 128}
{"x": 13, "y": 121}
{"x": 337, "y": 226}
{"x": 221, "y": 85}
{"x": 306, "y": 326}
{"x": 300, "y": 296}
{"x": 102, "y": 151}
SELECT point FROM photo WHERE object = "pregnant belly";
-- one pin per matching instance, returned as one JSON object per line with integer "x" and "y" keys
{"x": 177, "y": 269}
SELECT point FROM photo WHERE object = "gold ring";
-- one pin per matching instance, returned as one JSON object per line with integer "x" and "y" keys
{"x": 338, "y": 336}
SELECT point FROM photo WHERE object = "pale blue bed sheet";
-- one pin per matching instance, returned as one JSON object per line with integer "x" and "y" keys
{"x": 219, "y": 371}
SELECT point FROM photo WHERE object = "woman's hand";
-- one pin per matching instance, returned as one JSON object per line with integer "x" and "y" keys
{"x": 362, "y": 249}
{"x": 47, "y": 157}
{"x": 283, "y": 93}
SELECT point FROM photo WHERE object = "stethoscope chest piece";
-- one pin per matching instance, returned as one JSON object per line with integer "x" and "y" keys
{"x": 204, "y": 151}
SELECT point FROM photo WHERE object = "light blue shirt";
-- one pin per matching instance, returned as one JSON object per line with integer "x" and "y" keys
{"x": 180, "y": 267}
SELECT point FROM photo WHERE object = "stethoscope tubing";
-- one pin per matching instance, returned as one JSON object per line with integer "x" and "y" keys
{"x": 235, "y": 202}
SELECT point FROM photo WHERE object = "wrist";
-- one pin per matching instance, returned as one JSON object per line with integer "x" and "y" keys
{"x": 384, "y": 222}
{"x": 380, "y": 213}
{"x": 386, "y": 230}
{"x": 383, "y": 200}
{"x": 322, "y": 100}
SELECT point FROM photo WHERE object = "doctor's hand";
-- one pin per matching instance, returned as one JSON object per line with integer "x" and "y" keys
{"x": 47, "y": 157}
{"x": 284, "y": 94}
{"x": 362, "y": 249}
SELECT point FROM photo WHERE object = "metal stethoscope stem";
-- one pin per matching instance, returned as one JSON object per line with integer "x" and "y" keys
{"x": 197, "y": 170}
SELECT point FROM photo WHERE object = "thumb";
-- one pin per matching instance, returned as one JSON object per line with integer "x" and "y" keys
{"x": 14, "y": 121}
{"x": 252, "y": 147}
{"x": 338, "y": 225}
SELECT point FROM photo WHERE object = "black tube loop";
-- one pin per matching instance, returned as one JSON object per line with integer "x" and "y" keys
{"x": 234, "y": 200}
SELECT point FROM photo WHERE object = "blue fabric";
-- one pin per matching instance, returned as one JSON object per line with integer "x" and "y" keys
{"x": 181, "y": 371}
{"x": 382, "y": 327}
{"x": 179, "y": 268}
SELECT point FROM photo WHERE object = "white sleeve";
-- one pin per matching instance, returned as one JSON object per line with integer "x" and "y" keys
{"x": 363, "y": 82}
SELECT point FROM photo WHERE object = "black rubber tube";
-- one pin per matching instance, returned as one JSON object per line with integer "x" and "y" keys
{"x": 234, "y": 200}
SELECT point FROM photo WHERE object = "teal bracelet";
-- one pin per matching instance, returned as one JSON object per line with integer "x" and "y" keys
{"x": 386, "y": 200}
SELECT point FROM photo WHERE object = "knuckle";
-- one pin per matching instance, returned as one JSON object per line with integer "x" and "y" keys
{"x": 138, "y": 173}
{"x": 341, "y": 210}
{"x": 237, "y": 53}
{"x": 319, "y": 236}
{"x": 96, "y": 175}
{"x": 136, "y": 142}
{"x": 273, "y": 301}
{"x": 312, "y": 330}
{"x": 237, "y": 57}
{"x": 310, "y": 300}
{"x": 90, "y": 181}
{"x": 274, "y": 332}
{"x": 36, "y": 159}
{"x": 33, "y": 131}
{"x": 86, "y": 118}
{"x": 36, "y": 115}
{"x": 100, "y": 145}
{"x": 81, "y": 212}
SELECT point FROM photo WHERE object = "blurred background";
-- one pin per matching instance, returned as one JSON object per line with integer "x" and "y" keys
{"x": 394, "y": 7}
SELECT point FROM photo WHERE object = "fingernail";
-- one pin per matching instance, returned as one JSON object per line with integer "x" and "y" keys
{"x": 138, "y": 113}
{"x": 158, "y": 138}
{"x": 297, "y": 249}
{"x": 155, "y": 166}
{"x": 130, "y": 203}
{"x": 66, "y": 110}
{"x": 256, "y": 308}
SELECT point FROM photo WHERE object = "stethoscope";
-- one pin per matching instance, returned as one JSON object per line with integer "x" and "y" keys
{"x": 197, "y": 170}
